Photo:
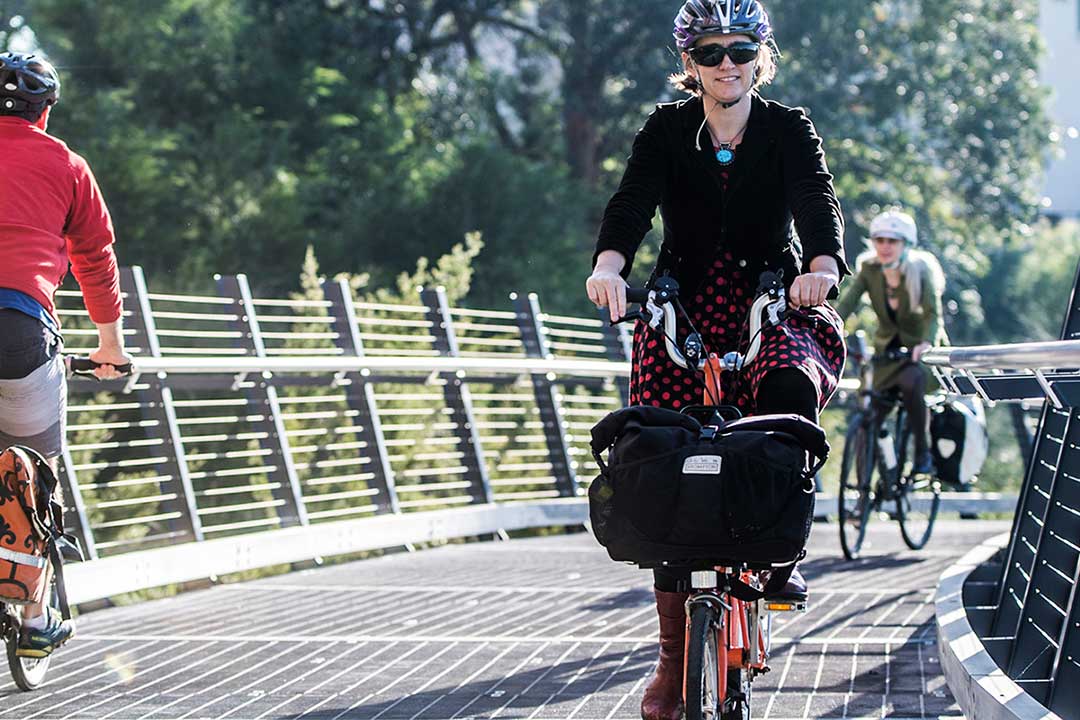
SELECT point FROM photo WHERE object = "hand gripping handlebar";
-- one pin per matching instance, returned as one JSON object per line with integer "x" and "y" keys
{"x": 660, "y": 305}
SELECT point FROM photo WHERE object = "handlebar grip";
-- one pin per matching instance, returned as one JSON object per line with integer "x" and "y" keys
{"x": 86, "y": 366}
{"x": 833, "y": 293}
{"x": 637, "y": 295}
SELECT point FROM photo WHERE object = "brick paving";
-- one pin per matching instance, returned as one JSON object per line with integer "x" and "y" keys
{"x": 545, "y": 628}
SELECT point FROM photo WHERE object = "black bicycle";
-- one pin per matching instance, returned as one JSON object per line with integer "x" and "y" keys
{"x": 29, "y": 672}
{"x": 878, "y": 460}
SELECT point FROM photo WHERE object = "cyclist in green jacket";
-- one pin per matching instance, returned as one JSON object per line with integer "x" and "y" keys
{"x": 905, "y": 286}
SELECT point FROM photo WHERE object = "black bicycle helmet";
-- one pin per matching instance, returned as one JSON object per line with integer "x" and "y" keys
{"x": 28, "y": 84}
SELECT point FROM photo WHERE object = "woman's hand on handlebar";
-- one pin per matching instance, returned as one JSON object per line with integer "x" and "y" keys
{"x": 605, "y": 286}
{"x": 812, "y": 289}
{"x": 109, "y": 360}
{"x": 918, "y": 350}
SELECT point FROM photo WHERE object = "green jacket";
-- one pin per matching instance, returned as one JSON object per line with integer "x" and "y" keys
{"x": 914, "y": 323}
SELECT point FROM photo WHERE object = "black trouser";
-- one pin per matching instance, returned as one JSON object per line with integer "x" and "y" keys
{"x": 911, "y": 382}
{"x": 781, "y": 392}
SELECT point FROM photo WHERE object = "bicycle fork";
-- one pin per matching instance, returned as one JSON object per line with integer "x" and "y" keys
{"x": 743, "y": 630}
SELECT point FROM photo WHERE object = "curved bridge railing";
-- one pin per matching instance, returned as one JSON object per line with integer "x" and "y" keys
{"x": 263, "y": 431}
{"x": 267, "y": 431}
{"x": 1009, "y": 615}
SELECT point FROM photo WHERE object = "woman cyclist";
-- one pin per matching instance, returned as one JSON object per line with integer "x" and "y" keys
{"x": 905, "y": 285}
{"x": 730, "y": 173}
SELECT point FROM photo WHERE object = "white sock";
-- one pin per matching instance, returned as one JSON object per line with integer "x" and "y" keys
{"x": 37, "y": 623}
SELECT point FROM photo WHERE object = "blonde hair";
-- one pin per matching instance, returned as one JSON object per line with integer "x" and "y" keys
{"x": 764, "y": 73}
{"x": 918, "y": 266}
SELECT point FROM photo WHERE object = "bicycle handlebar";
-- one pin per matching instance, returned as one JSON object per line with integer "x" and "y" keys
{"x": 84, "y": 366}
{"x": 659, "y": 305}
{"x": 902, "y": 353}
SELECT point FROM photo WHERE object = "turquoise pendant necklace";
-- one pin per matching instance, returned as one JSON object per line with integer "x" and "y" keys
{"x": 725, "y": 153}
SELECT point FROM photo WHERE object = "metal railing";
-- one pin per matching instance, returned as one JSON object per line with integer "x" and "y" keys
{"x": 357, "y": 425}
{"x": 266, "y": 430}
{"x": 1025, "y": 608}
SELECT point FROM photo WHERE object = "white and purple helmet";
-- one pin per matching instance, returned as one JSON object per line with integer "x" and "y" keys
{"x": 698, "y": 18}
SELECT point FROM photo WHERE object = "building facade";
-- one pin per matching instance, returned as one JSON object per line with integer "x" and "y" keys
{"x": 1059, "y": 22}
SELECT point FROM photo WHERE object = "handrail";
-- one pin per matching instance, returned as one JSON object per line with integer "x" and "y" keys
{"x": 1018, "y": 356}
{"x": 600, "y": 369}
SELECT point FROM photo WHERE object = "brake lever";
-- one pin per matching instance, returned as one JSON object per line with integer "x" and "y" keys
{"x": 636, "y": 315}
{"x": 777, "y": 310}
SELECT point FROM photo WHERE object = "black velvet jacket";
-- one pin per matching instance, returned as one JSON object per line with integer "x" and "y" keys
{"x": 779, "y": 175}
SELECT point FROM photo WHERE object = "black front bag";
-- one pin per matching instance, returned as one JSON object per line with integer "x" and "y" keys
{"x": 677, "y": 493}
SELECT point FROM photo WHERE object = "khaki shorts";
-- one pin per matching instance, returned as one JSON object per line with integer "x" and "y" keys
{"x": 33, "y": 385}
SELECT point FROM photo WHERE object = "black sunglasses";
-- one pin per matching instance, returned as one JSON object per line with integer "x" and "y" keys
{"x": 712, "y": 55}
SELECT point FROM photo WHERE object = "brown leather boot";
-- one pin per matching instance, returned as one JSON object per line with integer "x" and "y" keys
{"x": 663, "y": 697}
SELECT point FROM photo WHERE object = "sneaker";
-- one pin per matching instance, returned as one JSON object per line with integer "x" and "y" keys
{"x": 924, "y": 464}
{"x": 40, "y": 643}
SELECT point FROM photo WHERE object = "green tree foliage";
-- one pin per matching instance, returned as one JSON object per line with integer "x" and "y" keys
{"x": 230, "y": 135}
{"x": 1038, "y": 292}
{"x": 936, "y": 107}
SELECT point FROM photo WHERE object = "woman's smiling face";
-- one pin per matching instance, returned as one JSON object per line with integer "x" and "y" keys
{"x": 888, "y": 249}
{"x": 726, "y": 82}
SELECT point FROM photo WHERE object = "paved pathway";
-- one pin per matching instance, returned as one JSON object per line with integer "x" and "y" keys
{"x": 544, "y": 628}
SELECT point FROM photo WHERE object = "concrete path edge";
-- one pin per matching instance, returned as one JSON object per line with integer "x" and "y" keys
{"x": 981, "y": 688}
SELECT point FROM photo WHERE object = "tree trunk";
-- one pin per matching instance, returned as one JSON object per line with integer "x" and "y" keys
{"x": 582, "y": 88}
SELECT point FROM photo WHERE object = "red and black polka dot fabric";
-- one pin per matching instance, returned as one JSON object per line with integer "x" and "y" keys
{"x": 811, "y": 342}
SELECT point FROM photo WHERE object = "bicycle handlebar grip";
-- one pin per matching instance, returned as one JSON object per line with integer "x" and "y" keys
{"x": 87, "y": 366}
{"x": 637, "y": 295}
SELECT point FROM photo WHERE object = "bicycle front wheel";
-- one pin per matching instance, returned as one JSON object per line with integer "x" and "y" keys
{"x": 856, "y": 496}
{"x": 918, "y": 497}
{"x": 703, "y": 665}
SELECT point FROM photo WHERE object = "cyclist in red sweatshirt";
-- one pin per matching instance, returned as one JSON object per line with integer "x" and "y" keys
{"x": 52, "y": 215}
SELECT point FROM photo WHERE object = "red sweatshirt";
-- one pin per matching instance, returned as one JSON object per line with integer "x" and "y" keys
{"x": 52, "y": 212}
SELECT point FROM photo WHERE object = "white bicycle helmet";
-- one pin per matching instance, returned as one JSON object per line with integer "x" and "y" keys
{"x": 895, "y": 224}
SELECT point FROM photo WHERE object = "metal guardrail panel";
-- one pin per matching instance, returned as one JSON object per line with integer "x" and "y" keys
{"x": 1029, "y": 522}
{"x": 1065, "y": 694}
{"x": 1053, "y": 575}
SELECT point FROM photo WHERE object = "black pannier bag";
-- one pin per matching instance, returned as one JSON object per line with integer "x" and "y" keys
{"x": 959, "y": 441}
{"x": 675, "y": 492}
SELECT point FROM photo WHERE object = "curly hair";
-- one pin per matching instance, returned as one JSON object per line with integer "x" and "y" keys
{"x": 764, "y": 72}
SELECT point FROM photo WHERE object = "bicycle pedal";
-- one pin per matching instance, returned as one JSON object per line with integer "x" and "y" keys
{"x": 798, "y": 606}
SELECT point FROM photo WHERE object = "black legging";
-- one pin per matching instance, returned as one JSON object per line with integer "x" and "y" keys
{"x": 911, "y": 381}
{"x": 782, "y": 391}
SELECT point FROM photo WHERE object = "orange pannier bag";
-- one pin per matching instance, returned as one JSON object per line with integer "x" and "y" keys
{"x": 31, "y": 527}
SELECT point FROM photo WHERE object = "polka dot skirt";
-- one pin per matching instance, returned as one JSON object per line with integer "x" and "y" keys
{"x": 812, "y": 342}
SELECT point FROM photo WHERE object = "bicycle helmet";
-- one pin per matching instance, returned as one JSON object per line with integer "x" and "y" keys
{"x": 28, "y": 84}
{"x": 895, "y": 224}
{"x": 698, "y": 18}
